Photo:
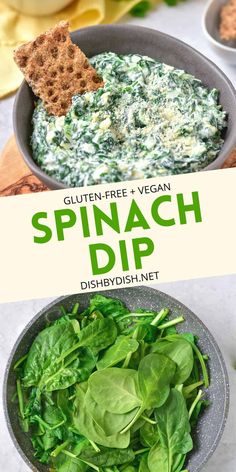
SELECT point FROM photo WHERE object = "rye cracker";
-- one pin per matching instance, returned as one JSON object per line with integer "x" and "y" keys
{"x": 56, "y": 69}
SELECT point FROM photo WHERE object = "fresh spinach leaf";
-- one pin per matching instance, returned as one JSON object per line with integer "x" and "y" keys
{"x": 98, "y": 335}
{"x": 159, "y": 455}
{"x": 45, "y": 350}
{"x": 49, "y": 440}
{"x": 111, "y": 423}
{"x": 173, "y": 424}
{"x": 86, "y": 425}
{"x": 58, "y": 376}
{"x": 108, "y": 457}
{"x": 115, "y": 389}
{"x": 116, "y": 353}
{"x": 155, "y": 374}
{"x": 55, "y": 360}
{"x": 180, "y": 351}
{"x": 108, "y": 306}
{"x": 174, "y": 432}
{"x": 53, "y": 415}
{"x": 68, "y": 463}
{"x": 198, "y": 355}
{"x": 149, "y": 434}
{"x": 75, "y": 368}
{"x": 143, "y": 465}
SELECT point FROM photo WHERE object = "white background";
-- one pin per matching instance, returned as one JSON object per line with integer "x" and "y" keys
{"x": 213, "y": 300}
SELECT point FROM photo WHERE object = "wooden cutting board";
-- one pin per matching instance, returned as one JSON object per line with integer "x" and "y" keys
{"x": 16, "y": 178}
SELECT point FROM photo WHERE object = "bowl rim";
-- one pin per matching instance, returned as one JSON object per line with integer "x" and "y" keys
{"x": 206, "y": 32}
{"x": 142, "y": 289}
{"x": 56, "y": 184}
{"x": 28, "y": 158}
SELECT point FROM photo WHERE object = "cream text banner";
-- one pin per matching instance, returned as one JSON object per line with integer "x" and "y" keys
{"x": 129, "y": 233}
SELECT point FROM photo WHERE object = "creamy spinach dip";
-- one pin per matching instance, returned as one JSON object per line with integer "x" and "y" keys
{"x": 150, "y": 119}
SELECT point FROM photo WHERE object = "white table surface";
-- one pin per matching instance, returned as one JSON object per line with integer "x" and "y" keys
{"x": 213, "y": 300}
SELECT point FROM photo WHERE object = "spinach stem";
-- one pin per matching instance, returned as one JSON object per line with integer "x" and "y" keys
{"x": 93, "y": 466}
{"x": 57, "y": 425}
{"x": 46, "y": 425}
{"x": 195, "y": 402}
{"x": 129, "y": 355}
{"x": 40, "y": 442}
{"x": 19, "y": 362}
{"x": 135, "y": 315}
{"x": 41, "y": 421}
{"x": 63, "y": 310}
{"x": 20, "y": 398}
{"x": 142, "y": 349}
{"x": 72, "y": 397}
{"x": 160, "y": 316}
{"x": 94, "y": 445}
{"x": 68, "y": 352}
{"x": 140, "y": 451}
{"x": 72, "y": 359}
{"x": 78, "y": 460}
{"x": 138, "y": 414}
{"x": 202, "y": 363}
{"x": 127, "y": 361}
{"x": 73, "y": 430}
{"x": 173, "y": 322}
{"x": 70, "y": 454}
{"x": 192, "y": 387}
{"x": 148, "y": 420}
{"x": 75, "y": 308}
{"x": 60, "y": 448}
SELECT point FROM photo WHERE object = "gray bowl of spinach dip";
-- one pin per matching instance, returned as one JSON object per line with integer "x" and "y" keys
{"x": 164, "y": 109}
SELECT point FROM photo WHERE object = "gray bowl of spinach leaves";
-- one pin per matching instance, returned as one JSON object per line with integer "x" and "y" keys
{"x": 119, "y": 381}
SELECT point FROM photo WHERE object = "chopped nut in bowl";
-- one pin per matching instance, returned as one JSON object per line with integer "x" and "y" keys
{"x": 219, "y": 26}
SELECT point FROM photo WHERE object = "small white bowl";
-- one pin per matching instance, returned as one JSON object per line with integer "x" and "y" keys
{"x": 210, "y": 24}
